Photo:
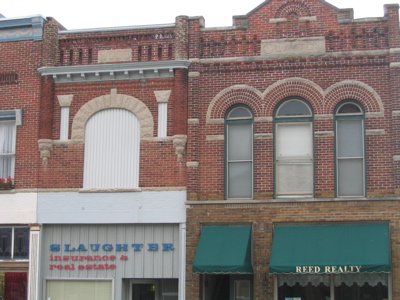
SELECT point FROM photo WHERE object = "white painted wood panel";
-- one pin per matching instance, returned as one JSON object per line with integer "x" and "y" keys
{"x": 111, "y": 208}
{"x": 18, "y": 208}
{"x": 112, "y": 145}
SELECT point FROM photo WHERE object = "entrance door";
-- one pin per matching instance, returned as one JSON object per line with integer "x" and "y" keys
{"x": 143, "y": 291}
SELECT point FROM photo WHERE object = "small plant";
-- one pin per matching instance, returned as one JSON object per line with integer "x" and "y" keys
{"x": 7, "y": 183}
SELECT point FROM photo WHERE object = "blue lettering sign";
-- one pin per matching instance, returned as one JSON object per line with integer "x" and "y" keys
{"x": 153, "y": 247}
{"x": 122, "y": 247}
{"x": 167, "y": 247}
{"x": 107, "y": 247}
{"x": 55, "y": 247}
{"x": 137, "y": 247}
{"x": 94, "y": 247}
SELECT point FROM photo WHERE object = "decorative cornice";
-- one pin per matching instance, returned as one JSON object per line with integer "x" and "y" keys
{"x": 120, "y": 71}
{"x": 21, "y": 29}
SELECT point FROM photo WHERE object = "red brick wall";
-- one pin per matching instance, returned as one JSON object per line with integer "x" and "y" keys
{"x": 23, "y": 58}
{"x": 263, "y": 216}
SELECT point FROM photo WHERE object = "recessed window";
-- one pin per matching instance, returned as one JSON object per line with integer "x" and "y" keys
{"x": 294, "y": 166}
{"x": 350, "y": 150}
{"x": 239, "y": 153}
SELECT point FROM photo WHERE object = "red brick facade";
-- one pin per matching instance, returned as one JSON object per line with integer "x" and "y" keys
{"x": 306, "y": 49}
{"x": 233, "y": 66}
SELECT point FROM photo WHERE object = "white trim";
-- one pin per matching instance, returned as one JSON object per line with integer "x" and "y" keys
{"x": 162, "y": 119}
{"x": 34, "y": 266}
{"x": 64, "y": 123}
{"x": 182, "y": 262}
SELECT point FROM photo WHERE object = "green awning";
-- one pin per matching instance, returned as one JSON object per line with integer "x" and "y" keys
{"x": 224, "y": 249}
{"x": 336, "y": 248}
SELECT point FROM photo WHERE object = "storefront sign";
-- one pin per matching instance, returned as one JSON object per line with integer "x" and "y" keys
{"x": 97, "y": 262}
{"x": 111, "y": 247}
{"x": 327, "y": 269}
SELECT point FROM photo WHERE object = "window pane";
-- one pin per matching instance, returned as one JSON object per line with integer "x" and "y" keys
{"x": 5, "y": 242}
{"x": 369, "y": 285}
{"x": 242, "y": 289}
{"x": 304, "y": 287}
{"x": 349, "y": 108}
{"x": 294, "y": 140}
{"x": 294, "y": 108}
{"x": 239, "y": 113}
{"x": 7, "y": 146}
{"x": 21, "y": 242}
{"x": 240, "y": 181}
{"x": 350, "y": 138}
{"x": 295, "y": 177}
{"x": 240, "y": 142}
{"x": 350, "y": 177}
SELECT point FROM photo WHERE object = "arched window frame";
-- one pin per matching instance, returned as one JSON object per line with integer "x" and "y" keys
{"x": 350, "y": 117}
{"x": 235, "y": 121}
{"x": 305, "y": 120}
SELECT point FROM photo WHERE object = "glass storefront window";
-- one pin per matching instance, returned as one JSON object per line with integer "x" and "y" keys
{"x": 368, "y": 286}
{"x": 242, "y": 289}
{"x": 303, "y": 287}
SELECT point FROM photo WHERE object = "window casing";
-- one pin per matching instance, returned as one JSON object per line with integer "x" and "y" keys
{"x": 14, "y": 243}
{"x": 239, "y": 153}
{"x": 294, "y": 161}
{"x": 350, "y": 149}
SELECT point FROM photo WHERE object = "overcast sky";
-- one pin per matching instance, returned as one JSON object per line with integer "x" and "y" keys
{"x": 79, "y": 14}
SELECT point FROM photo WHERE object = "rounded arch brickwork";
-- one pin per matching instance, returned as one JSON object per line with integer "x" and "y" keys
{"x": 293, "y": 9}
{"x": 300, "y": 87}
{"x": 233, "y": 95}
{"x": 356, "y": 90}
{"x": 113, "y": 100}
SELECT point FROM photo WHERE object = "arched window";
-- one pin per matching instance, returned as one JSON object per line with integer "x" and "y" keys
{"x": 294, "y": 163}
{"x": 239, "y": 153}
{"x": 350, "y": 150}
{"x": 112, "y": 144}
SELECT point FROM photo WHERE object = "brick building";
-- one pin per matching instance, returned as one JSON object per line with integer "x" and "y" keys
{"x": 257, "y": 161}
{"x": 102, "y": 176}
{"x": 292, "y": 155}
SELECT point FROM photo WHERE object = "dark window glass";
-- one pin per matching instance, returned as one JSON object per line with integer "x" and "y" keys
{"x": 349, "y": 108}
{"x": 5, "y": 242}
{"x": 294, "y": 108}
{"x": 21, "y": 242}
{"x": 14, "y": 243}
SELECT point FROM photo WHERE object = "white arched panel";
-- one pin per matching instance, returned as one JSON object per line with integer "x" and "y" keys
{"x": 112, "y": 144}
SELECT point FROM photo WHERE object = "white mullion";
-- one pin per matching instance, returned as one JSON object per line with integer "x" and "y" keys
{"x": 12, "y": 242}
